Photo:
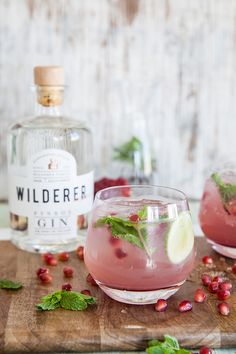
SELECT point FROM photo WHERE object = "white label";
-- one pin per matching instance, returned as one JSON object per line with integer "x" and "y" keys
{"x": 50, "y": 194}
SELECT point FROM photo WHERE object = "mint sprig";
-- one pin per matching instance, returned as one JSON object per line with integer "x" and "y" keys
{"x": 68, "y": 300}
{"x": 125, "y": 152}
{"x": 125, "y": 230}
{"x": 9, "y": 284}
{"x": 227, "y": 190}
{"x": 170, "y": 345}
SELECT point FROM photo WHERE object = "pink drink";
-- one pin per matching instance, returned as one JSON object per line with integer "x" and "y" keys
{"x": 117, "y": 264}
{"x": 218, "y": 218}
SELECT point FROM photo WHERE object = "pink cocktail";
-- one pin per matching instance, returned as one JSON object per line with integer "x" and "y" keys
{"x": 218, "y": 212}
{"x": 140, "y": 245}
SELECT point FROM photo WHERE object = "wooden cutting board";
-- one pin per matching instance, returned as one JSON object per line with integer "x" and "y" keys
{"x": 110, "y": 325}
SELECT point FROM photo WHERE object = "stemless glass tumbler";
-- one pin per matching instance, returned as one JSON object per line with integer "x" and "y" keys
{"x": 218, "y": 211}
{"x": 140, "y": 243}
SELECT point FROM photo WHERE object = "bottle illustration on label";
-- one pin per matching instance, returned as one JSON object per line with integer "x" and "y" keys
{"x": 50, "y": 173}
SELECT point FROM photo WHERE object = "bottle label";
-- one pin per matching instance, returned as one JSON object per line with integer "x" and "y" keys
{"x": 48, "y": 195}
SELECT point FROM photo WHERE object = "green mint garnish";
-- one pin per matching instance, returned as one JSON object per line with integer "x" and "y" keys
{"x": 8, "y": 284}
{"x": 227, "y": 190}
{"x": 125, "y": 230}
{"x": 68, "y": 300}
{"x": 143, "y": 214}
{"x": 126, "y": 151}
{"x": 170, "y": 345}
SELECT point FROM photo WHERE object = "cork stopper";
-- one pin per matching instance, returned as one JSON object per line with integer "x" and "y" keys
{"x": 49, "y": 76}
{"x": 50, "y": 85}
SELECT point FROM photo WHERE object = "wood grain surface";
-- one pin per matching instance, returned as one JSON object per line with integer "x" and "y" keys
{"x": 110, "y": 325}
{"x": 185, "y": 48}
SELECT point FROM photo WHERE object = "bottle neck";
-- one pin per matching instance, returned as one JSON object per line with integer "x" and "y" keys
{"x": 50, "y": 100}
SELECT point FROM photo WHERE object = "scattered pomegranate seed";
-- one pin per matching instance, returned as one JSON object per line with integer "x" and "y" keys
{"x": 223, "y": 294}
{"x": 226, "y": 285}
{"x": 185, "y": 306}
{"x": 219, "y": 280}
{"x": 66, "y": 287}
{"x": 223, "y": 308}
{"x": 42, "y": 271}
{"x": 47, "y": 256}
{"x": 205, "y": 350}
{"x": 64, "y": 256}
{"x": 207, "y": 260}
{"x": 199, "y": 296}
{"x": 114, "y": 241}
{"x": 50, "y": 259}
{"x": 90, "y": 280}
{"x": 120, "y": 253}
{"x": 213, "y": 287}
{"x": 161, "y": 305}
{"x": 45, "y": 278}
{"x": 68, "y": 272}
{"x": 234, "y": 268}
{"x": 80, "y": 252}
{"x": 86, "y": 292}
{"x": 134, "y": 218}
{"x": 206, "y": 279}
{"x": 52, "y": 262}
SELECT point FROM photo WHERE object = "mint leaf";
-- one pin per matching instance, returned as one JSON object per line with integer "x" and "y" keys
{"x": 170, "y": 345}
{"x": 68, "y": 300}
{"x": 227, "y": 190}
{"x": 73, "y": 301}
{"x": 171, "y": 341}
{"x": 124, "y": 230}
{"x": 143, "y": 214}
{"x": 9, "y": 284}
{"x": 182, "y": 351}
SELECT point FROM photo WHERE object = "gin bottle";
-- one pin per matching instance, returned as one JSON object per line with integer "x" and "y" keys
{"x": 50, "y": 170}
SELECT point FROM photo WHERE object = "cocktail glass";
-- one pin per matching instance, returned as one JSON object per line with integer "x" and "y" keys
{"x": 140, "y": 242}
{"x": 218, "y": 212}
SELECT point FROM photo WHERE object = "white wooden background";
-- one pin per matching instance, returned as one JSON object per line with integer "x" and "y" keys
{"x": 183, "y": 52}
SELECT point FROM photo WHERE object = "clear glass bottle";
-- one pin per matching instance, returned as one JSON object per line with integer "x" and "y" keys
{"x": 50, "y": 172}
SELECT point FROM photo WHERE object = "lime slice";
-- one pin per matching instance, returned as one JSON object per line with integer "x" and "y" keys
{"x": 180, "y": 238}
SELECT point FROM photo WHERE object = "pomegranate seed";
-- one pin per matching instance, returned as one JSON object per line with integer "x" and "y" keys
{"x": 66, "y": 287}
{"x": 213, "y": 287}
{"x": 120, "y": 253}
{"x": 45, "y": 278}
{"x": 114, "y": 241}
{"x": 207, "y": 260}
{"x": 52, "y": 262}
{"x": 64, "y": 256}
{"x": 199, "y": 296}
{"x": 50, "y": 259}
{"x": 90, "y": 280}
{"x": 68, "y": 272}
{"x": 161, "y": 305}
{"x": 134, "y": 218}
{"x": 219, "y": 280}
{"x": 86, "y": 292}
{"x": 205, "y": 350}
{"x": 80, "y": 252}
{"x": 185, "y": 306}
{"x": 234, "y": 268}
{"x": 223, "y": 308}
{"x": 206, "y": 279}
{"x": 223, "y": 294}
{"x": 47, "y": 256}
{"x": 42, "y": 271}
{"x": 226, "y": 285}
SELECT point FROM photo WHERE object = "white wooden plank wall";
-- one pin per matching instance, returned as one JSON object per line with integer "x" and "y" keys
{"x": 183, "y": 52}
